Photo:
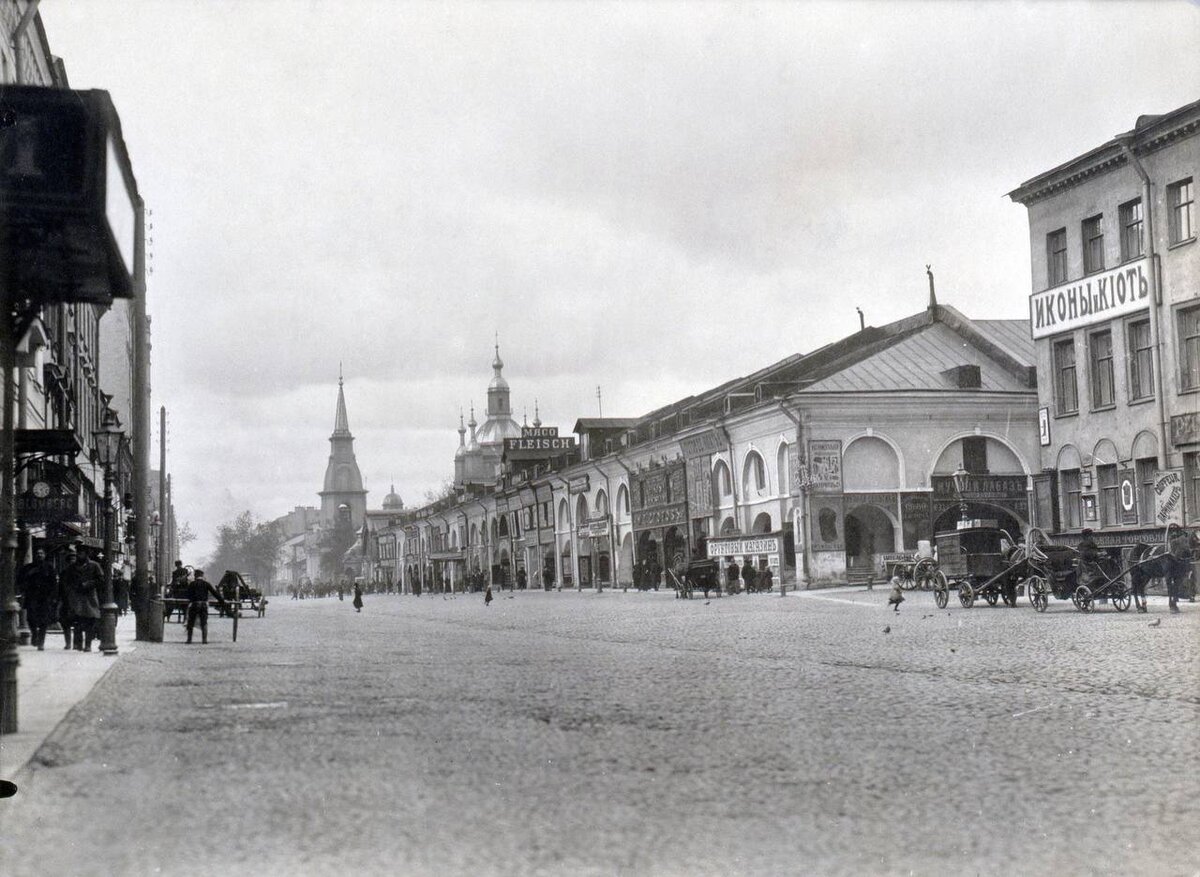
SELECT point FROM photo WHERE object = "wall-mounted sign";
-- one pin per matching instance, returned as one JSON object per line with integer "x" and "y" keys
{"x": 1168, "y": 497}
{"x": 578, "y": 483}
{"x": 1185, "y": 429}
{"x": 707, "y": 442}
{"x": 538, "y": 448}
{"x": 663, "y": 516}
{"x": 1089, "y": 506}
{"x": 1127, "y": 494}
{"x": 699, "y": 482}
{"x": 1100, "y": 297}
{"x": 825, "y": 466}
{"x": 726, "y": 547}
{"x": 539, "y": 432}
{"x": 1044, "y": 426}
{"x": 827, "y": 524}
{"x": 596, "y": 528}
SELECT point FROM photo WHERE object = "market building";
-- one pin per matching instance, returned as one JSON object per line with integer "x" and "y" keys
{"x": 1115, "y": 316}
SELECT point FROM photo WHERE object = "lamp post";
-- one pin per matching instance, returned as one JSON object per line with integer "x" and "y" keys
{"x": 107, "y": 442}
{"x": 961, "y": 477}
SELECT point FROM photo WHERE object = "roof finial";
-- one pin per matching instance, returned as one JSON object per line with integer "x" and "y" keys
{"x": 339, "y": 372}
{"x": 932, "y": 294}
{"x": 537, "y": 418}
{"x": 524, "y": 416}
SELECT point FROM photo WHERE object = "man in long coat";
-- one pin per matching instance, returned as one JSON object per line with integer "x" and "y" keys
{"x": 38, "y": 584}
{"x": 81, "y": 589}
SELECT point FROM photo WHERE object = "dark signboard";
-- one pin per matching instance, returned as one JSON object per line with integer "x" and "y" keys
{"x": 825, "y": 465}
{"x": 1003, "y": 491}
{"x": 662, "y": 516}
{"x": 704, "y": 443}
{"x": 1185, "y": 429}
{"x": 68, "y": 200}
{"x": 699, "y": 482}
{"x": 538, "y": 448}
{"x": 659, "y": 497}
{"x": 828, "y": 520}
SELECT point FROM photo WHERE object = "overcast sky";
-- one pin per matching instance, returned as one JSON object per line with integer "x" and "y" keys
{"x": 651, "y": 198}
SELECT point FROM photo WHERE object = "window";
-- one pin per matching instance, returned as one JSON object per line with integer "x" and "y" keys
{"x": 1131, "y": 230}
{"x": 1100, "y": 345}
{"x": 1110, "y": 506}
{"x": 1056, "y": 257}
{"x": 1093, "y": 245}
{"x": 1071, "y": 499}
{"x": 1145, "y": 480}
{"x": 1141, "y": 371}
{"x": 1065, "y": 391}
{"x": 1180, "y": 208}
{"x": 1191, "y": 486}
{"x": 974, "y": 450}
{"x": 1189, "y": 348}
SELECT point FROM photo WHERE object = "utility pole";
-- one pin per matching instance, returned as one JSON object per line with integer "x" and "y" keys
{"x": 160, "y": 573}
{"x": 150, "y": 619}
{"x": 599, "y": 402}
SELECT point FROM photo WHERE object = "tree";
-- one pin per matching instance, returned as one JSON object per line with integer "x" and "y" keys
{"x": 445, "y": 489}
{"x": 185, "y": 536}
{"x": 249, "y": 546}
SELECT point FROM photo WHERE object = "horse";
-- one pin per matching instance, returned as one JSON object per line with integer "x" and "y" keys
{"x": 1173, "y": 565}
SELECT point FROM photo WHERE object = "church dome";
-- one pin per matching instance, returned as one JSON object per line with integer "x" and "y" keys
{"x": 393, "y": 500}
{"x": 496, "y": 430}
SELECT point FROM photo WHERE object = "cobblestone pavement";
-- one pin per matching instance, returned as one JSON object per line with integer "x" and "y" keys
{"x": 632, "y": 734}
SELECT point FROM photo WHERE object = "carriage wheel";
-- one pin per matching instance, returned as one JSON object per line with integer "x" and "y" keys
{"x": 992, "y": 597}
{"x": 1039, "y": 593}
{"x": 966, "y": 595}
{"x": 1083, "y": 599}
{"x": 1122, "y": 598}
{"x": 941, "y": 589}
{"x": 923, "y": 574}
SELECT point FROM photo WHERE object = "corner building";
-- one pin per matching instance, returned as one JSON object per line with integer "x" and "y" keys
{"x": 1115, "y": 317}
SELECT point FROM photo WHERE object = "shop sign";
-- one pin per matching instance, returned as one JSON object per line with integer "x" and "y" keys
{"x": 1127, "y": 492}
{"x": 1168, "y": 497}
{"x": 699, "y": 482}
{"x": 1044, "y": 426}
{"x": 538, "y": 432}
{"x": 725, "y": 547}
{"x": 980, "y": 487}
{"x": 825, "y": 466}
{"x": 796, "y": 469}
{"x": 663, "y": 516}
{"x": 707, "y": 442}
{"x": 594, "y": 529}
{"x": 578, "y": 484}
{"x": 53, "y": 497}
{"x": 501, "y": 505}
{"x": 1185, "y": 429}
{"x": 530, "y": 448}
{"x": 827, "y": 522}
{"x": 1098, "y": 298}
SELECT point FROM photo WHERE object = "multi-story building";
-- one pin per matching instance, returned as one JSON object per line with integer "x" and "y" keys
{"x": 1115, "y": 316}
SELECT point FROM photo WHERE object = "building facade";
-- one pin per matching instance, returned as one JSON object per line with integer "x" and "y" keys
{"x": 1115, "y": 316}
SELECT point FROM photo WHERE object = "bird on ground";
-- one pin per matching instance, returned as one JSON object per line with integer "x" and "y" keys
{"x": 954, "y": 650}
{"x": 706, "y": 602}
{"x": 1155, "y": 623}
{"x": 887, "y": 629}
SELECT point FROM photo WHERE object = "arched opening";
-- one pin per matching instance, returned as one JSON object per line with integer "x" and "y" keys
{"x": 503, "y": 529}
{"x": 948, "y": 519}
{"x": 869, "y": 533}
{"x": 623, "y": 503}
{"x": 625, "y": 561}
{"x": 762, "y": 523}
{"x": 648, "y": 566}
{"x": 601, "y": 504}
{"x": 722, "y": 482}
{"x": 783, "y": 467}
{"x": 727, "y": 526}
{"x": 581, "y": 510}
{"x": 564, "y": 518}
{"x": 566, "y": 575}
{"x": 675, "y": 551}
{"x": 754, "y": 475}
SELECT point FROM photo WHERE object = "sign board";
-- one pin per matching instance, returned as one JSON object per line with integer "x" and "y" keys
{"x": 1185, "y": 429}
{"x": 578, "y": 483}
{"x": 596, "y": 528}
{"x": 707, "y": 442}
{"x": 826, "y": 522}
{"x": 722, "y": 546}
{"x": 796, "y": 468}
{"x": 699, "y": 482}
{"x": 916, "y": 513}
{"x": 532, "y": 432}
{"x": 662, "y": 516}
{"x": 538, "y": 448}
{"x": 1168, "y": 497}
{"x": 1044, "y": 426}
{"x": 825, "y": 466}
{"x": 1098, "y": 298}
{"x": 67, "y": 195}
{"x": 1127, "y": 495}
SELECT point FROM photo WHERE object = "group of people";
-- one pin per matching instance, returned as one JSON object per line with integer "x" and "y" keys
{"x": 746, "y": 577}
{"x": 70, "y": 597}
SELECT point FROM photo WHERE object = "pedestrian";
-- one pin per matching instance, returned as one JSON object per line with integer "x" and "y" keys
{"x": 121, "y": 591}
{"x": 749, "y": 576}
{"x": 358, "y": 604}
{"x": 38, "y": 584}
{"x": 81, "y": 584}
{"x": 897, "y": 596}
{"x": 179, "y": 580}
{"x": 765, "y": 579}
{"x": 521, "y": 579}
{"x": 487, "y": 594}
{"x": 732, "y": 571}
{"x": 198, "y": 592}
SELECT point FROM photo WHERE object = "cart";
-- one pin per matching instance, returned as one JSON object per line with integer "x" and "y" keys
{"x": 918, "y": 572}
{"x": 976, "y": 560}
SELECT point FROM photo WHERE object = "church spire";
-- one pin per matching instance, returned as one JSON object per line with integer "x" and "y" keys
{"x": 341, "y": 423}
{"x": 537, "y": 420}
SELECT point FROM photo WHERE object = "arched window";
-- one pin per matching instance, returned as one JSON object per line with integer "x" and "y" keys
{"x": 722, "y": 483}
{"x": 754, "y": 474}
{"x": 623, "y": 501}
{"x": 870, "y": 463}
{"x": 564, "y": 519}
{"x": 783, "y": 468}
{"x": 581, "y": 509}
{"x": 601, "y": 504}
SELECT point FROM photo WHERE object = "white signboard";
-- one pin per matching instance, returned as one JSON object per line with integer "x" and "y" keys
{"x": 1044, "y": 426}
{"x": 743, "y": 545}
{"x": 1093, "y": 299}
{"x": 1168, "y": 497}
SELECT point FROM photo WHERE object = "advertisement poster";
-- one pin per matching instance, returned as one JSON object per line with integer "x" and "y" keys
{"x": 828, "y": 524}
{"x": 825, "y": 466}
{"x": 1168, "y": 497}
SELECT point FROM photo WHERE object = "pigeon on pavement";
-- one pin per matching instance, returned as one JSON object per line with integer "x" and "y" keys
{"x": 887, "y": 629}
{"x": 1155, "y": 623}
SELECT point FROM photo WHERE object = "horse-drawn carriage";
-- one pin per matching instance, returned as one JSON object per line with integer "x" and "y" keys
{"x": 980, "y": 562}
{"x": 702, "y": 574}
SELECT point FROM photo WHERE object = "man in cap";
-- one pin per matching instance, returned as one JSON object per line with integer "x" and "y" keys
{"x": 81, "y": 591}
{"x": 197, "y": 595}
{"x": 39, "y": 595}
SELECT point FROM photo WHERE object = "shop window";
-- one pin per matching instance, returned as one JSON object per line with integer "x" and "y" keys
{"x": 1189, "y": 347}
{"x": 1110, "y": 504}
{"x": 1093, "y": 244}
{"x": 1072, "y": 499}
{"x": 1145, "y": 479}
{"x": 1131, "y": 230}
{"x": 1056, "y": 257}
{"x": 1141, "y": 362}
{"x": 1181, "y": 199}
{"x": 1066, "y": 393}
{"x": 1100, "y": 348}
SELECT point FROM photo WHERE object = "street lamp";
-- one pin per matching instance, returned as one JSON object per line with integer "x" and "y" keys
{"x": 961, "y": 477}
{"x": 107, "y": 442}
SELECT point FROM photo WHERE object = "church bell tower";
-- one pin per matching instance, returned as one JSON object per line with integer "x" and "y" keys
{"x": 343, "y": 496}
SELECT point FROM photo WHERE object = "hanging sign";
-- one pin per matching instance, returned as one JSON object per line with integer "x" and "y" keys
{"x": 1168, "y": 497}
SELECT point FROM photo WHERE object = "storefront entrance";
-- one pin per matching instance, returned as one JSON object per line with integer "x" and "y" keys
{"x": 869, "y": 533}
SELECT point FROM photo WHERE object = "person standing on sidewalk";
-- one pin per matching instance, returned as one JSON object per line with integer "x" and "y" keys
{"x": 197, "y": 596}
{"x": 81, "y": 586}
{"x": 358, "y": 603}
{"x": 38, "y": 583}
